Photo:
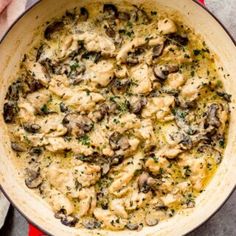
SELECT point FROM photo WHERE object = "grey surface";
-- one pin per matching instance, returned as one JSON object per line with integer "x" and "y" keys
{"x": 223, "y": 223}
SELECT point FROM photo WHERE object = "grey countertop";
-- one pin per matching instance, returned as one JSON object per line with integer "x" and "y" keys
{"x": 223, "y": 223}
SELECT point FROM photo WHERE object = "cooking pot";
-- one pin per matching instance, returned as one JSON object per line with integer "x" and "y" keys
{"x": 17, "y": 42}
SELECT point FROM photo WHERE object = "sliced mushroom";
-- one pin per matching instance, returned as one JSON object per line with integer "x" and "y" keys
{"x": 91, "y": 224}
{"x": 146, "y": 183}
{"x": 99, "y": 114}
{"x": 120, "y": 85}
{"x": 212, "y": 116}
{"x": 63, "y": 107}
{"x": 162, "y": 71}
{"x": 32, "y": 128}
{"x": 178, "y": 39}
{"x": 10, "y": 110}
{"x": 33, "y": 179}
{"x": 225, "y": 96}
{"x": 157, "y": 50}
{"x": 138, "y": 105}
{"x": 36, "y": 151}
{"x": 13, "y": 91}
{"x": 118, "y": 141}
{"x": 110, "y": 31}
{"x": 18, "y": 147}
{"x": 125, "y": 16}
{"x": 84, "y": 14}
{"x": 110, "y": 11}
{"x": 34, "y": 85}
{"x": 77, "y": 124}
{"x": 52, "y": 28}
{"x": 65, "y": 219}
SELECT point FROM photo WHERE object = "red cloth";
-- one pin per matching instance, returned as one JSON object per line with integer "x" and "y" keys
{"x": 34, "y": 231}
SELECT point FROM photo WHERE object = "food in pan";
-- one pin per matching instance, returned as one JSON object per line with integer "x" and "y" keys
{"x": 118, "y": 116}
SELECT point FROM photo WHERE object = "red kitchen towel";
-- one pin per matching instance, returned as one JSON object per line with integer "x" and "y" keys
{"x": 34, "y": 231}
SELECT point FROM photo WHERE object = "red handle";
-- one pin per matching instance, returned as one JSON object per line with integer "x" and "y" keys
{"x": 34, "y": 231}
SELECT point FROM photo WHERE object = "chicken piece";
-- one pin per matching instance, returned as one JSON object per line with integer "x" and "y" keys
{"x": 39, "y": 99}
{"x": 56, "y": 144}
{"x": 117, "y": 207}
{"x": 126, "y": 122}
{"x": 160, "y": 107}
{"x": 191, "y": 90}
{"x": 37, "y": 71}
{"x": 58, "y": 201}
{"x": 26, "y": 113}
{"x": 140, "y": 77}
{"x": 66, "y": 47}
{"x": 175, "y": 81}
{"x": 101, "y": 73}
{"x": 109, "y": 219}
{"x": 67, "y": 180}
{"x": 87, "y": 201}
{"x": 96, "y": 43}
{"x": 176, "y": 55}
{"x": 128, "y": 169}
{"x": 137, "y": 200}
{"x": 170, "y": 199}
{"x": 166, "y": 26}
{"x": 87, "y": 174}
{"x": 155, "y": 166}
{"x": 51, "y": 126}
{"x": 121, "y": 71}
{"x": 129, "y": 47}
{"x": 59, "y": 85}
{"x": 83, "y": 101}
{"x": 194, "y": 168}
{"x": 100, "y": 140}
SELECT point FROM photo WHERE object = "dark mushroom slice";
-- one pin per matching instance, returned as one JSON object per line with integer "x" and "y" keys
{"x": 125, "y": 16}
{"x": 94, "y": 56}
{"x": 110, "y": 31}
{"x": 118, "y": 141}
{"x": 116, "y": 160}
{"x": 10, "y": 110}
{"x": 34, "y": 84}
{"x": 13, "y": 91}
{"x": 91, "y": 224}
{"x": 52, "y": 28}
{"x": 63, "y": 107}
{"x": 36, "y": 151}
{"x": 110, "y": 11}
{"x": 138, "y": 105}
{"x": 77, "y": 124}
{"x": 147, "y": 183}
{"x": 139, "y": 15}
{"x": 162, "y": 71}
{"x": 120, "y": 85}
{"x": 151, "y": 220}
{"x": 33, "y": 179}
{"x": 99, "y": 114}
{"x": 186, "y": 142}
{"x": 212, "y": 118}
{"x": 69, "y": 221}
{"x": 225, "y": 96}
{"x": 157, "y": 50}
{"x": 178, "y": 39}
{"x": 84, "y": 14}
{"x": 17, "y": 147}
{"x": 32, "y": 128}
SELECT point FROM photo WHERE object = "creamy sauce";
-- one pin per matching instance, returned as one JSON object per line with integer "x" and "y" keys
{"x": 118, "y": 117}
